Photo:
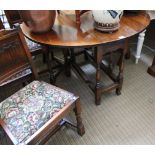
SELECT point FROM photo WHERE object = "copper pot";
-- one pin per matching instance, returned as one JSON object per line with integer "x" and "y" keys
{"x": 39, "y": 21}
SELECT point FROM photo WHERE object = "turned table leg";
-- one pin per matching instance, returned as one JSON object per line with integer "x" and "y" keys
{"x": 120, "y": 75}
{"x": 51, "y": 73}
{"x": 139, "y": 45}
{"x": 121, "y": 67}
{"x": 98, "y": 56}
{"x": 67, "y": 64}
{"x": 127, "y": 51}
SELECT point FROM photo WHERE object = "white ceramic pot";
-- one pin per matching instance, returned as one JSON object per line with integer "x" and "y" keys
{"x": 107, "y": 20}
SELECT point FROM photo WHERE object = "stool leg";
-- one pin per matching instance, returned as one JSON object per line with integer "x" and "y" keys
{"x": 80, "y": 126}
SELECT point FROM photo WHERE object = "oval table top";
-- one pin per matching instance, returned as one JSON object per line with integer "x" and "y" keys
{"x": 66, "y": 33}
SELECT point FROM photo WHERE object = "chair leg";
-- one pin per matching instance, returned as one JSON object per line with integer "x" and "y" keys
{"x": 51, "y": 72}
{"x": 80, "y": 126}
{"x": 67, "y": 64}
{"x": 4, "y": 139}
{"x": 127, "y": 50}
{"x": 44, "y": 58}
{"x": 85, "y": 55}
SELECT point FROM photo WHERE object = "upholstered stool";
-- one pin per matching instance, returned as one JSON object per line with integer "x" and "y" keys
{"x": 30, "y": 115}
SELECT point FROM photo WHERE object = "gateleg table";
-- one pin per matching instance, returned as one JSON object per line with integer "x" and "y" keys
{"x": 66, "y": 34}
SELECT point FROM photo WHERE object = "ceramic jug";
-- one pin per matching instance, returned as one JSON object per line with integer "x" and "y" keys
{"x": 107, "y": 20}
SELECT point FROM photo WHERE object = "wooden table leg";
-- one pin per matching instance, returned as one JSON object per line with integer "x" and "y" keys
{"x": 127, "y": 52}
{"x": 120, "y": 75}
{"x": 98, "y": 87}
{"x": 121, "y": 67}
{"x": 67, "y": 64}
{"x": 51, "y": 73}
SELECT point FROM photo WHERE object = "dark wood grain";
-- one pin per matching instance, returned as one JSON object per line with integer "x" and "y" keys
{"x": 66, "y": 33}
{"x": 14, "y": 19}
{"x": 14, "y": 55}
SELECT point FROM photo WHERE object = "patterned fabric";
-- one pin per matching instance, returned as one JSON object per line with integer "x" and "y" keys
{"x": 31, "y": 107}
{"x": 32, "y": 45}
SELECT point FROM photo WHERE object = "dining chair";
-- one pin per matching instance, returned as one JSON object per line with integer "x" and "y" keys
{"x": 14, "y": 64}
{"x": 14, "y": 19}
{"x": 37, "y": 111}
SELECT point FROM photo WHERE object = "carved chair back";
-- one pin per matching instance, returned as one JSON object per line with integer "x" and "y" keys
{"x": 14, "y": 55}
{"x": 13, "y": 17}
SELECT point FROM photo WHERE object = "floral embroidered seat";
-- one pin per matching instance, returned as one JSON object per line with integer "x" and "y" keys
{"x": 25, "y": 112}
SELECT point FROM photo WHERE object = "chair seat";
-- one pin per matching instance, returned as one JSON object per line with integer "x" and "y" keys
{"x": 31, "y": 107}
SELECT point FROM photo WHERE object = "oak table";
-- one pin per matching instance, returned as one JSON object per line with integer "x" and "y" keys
{"x": 67, "y": 34}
